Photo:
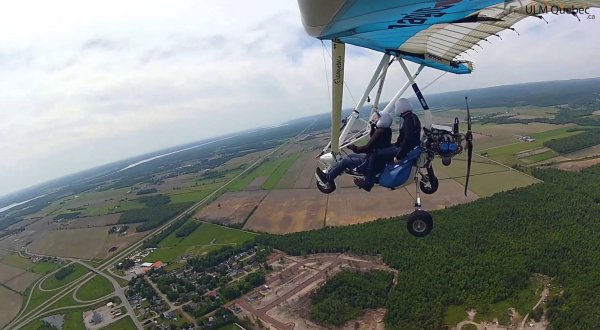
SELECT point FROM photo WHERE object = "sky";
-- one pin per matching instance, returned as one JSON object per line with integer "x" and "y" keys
{"x": 84, "y": 83}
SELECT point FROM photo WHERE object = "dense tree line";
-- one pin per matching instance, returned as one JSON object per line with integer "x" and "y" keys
{"x": 187, "y": 229}
{"x": 142, "y": 191}
{"x": 153, "y": 217}
{"x": 216, "y": 257}
{"x": 153, "y": 241}
{"x": 572, "y": 143}
{"x": 62, "y": 273}
{"x": 67, "y": 216}
{"x": 347, "y": 294}
{"x": 237, "y": 289}
{"x": 485, "y": 252}
{"x": 155, "y": 200}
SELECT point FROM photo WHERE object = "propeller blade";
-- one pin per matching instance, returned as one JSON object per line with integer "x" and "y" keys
{"x": 468, "y": 115}
{"x": 469, "y": 139}
{"x": 469, "y": 157}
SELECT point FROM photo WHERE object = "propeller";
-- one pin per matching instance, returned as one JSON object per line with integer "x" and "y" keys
{"x": 469, "y": 139}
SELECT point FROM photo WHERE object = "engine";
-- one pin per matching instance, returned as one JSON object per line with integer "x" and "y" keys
{"x": 444, "y": 141}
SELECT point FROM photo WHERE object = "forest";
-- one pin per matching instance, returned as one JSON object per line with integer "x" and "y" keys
{"x": 484, "y": 252}
{"x": 153, "y": 217}
{"x": 348, "y": 293}
{"x": 586, "y": 139}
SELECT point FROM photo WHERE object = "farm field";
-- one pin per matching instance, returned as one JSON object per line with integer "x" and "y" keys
{"x": 95, "y": 288}
{"x": 11, "y": 303}
{"x": 205, "y": 238}
{"x": 15, "y": 260}
{"x": 23, "y": 281}
{"x": 61, "y": 243}
{"x": 289, "y": 210}
{"x": 272, "y": 169}
{"x": 486, "y": 178}
{"x": 7, "y": 272}
{"x": 507, "y": 154}
{"x": 231, "y": 207}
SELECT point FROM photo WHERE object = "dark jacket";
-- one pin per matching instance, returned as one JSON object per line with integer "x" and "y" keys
{"x": 410, "y": 134}
{"x": 380, "y": 138}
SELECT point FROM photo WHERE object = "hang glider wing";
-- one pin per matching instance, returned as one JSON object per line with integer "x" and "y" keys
{"x": 432, "y": 33}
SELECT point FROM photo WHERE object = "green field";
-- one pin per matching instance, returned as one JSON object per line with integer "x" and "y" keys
{"x": 506, "y": 154}
{"x": 15, "y": 260}
{"x": 280, "y": 171}
{"x": 229, "y": 326}
{"x": 65, "y": 301}
{"x": 198, "y": 242}
{"x": 540, "y": 157}
{"x": 45, "y": 267}
{"x": 95, "y": 288}
{"x": 52, "y": 283}
{"x": 123, "y": 324}
{"x": 274, "y": 167}
{"x": 486, "y": 178}
{"x": 454, "y": 315}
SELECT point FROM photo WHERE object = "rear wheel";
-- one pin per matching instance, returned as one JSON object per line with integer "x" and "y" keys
{"x": 420, "y": 223}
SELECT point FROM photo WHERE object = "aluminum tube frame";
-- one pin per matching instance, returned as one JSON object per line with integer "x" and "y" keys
{"x": 377, "y": 76}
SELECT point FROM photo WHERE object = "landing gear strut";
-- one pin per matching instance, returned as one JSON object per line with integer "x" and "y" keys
{"x": 420, "y": 222}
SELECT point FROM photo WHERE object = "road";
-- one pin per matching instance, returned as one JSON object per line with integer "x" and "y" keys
{"x": 109, "y": 262}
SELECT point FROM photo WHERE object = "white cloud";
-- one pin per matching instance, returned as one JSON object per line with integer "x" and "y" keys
{"x": 87, "y": 83}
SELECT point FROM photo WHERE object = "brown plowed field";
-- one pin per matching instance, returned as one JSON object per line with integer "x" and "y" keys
{"x": 349, "y": 205}
{"x": 292, "y": 175}
{"x": 7, "y": 273}
{"x": 235, "y": 207}
{"x": 11, "y": 302}
{"x": 289, "y": 210}
{"x": 23, "y": 281}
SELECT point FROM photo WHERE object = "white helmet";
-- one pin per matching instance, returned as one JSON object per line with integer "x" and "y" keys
{"x": 402, "y": 106}
{"x": 385, "y": 120}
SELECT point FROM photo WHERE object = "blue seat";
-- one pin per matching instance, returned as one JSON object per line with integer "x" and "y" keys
{"x": 395, "y": 175}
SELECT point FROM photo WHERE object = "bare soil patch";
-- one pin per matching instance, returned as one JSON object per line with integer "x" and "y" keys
{"x": 23, "y": 281}
{"x": 289, "y": 210}
{"x": 350, "y": 205}
{"x": 85, "y": 243}
{"x": 231, "y": 207}
{"x": 11, "y": 303}
{"x": 181, "y": 181}
{"x": 578, "y": 165}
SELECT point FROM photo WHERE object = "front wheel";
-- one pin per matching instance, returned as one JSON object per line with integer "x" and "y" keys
{"x": 420, "y": 223}
{"x": 429, "y": 184}
{"x": 326, "y": 188}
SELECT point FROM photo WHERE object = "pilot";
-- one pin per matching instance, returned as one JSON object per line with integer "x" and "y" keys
{"x": 381, "y": 138}
{"x": 408, "y": 139}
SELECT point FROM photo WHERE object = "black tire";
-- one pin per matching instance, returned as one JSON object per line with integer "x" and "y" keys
{"x": 327, "y": 188}
{"x": 431, "y": 185}
{"x": 420, "y": 223}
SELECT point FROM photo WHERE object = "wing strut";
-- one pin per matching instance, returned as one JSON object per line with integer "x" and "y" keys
{"x": 427, "y": 113}
{"x": 337, "y": 79}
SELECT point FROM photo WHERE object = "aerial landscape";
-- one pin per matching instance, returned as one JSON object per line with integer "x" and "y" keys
{"x": 132, "y": 214}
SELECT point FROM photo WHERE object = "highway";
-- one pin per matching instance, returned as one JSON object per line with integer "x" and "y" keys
{"x": 23, "y": 319}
